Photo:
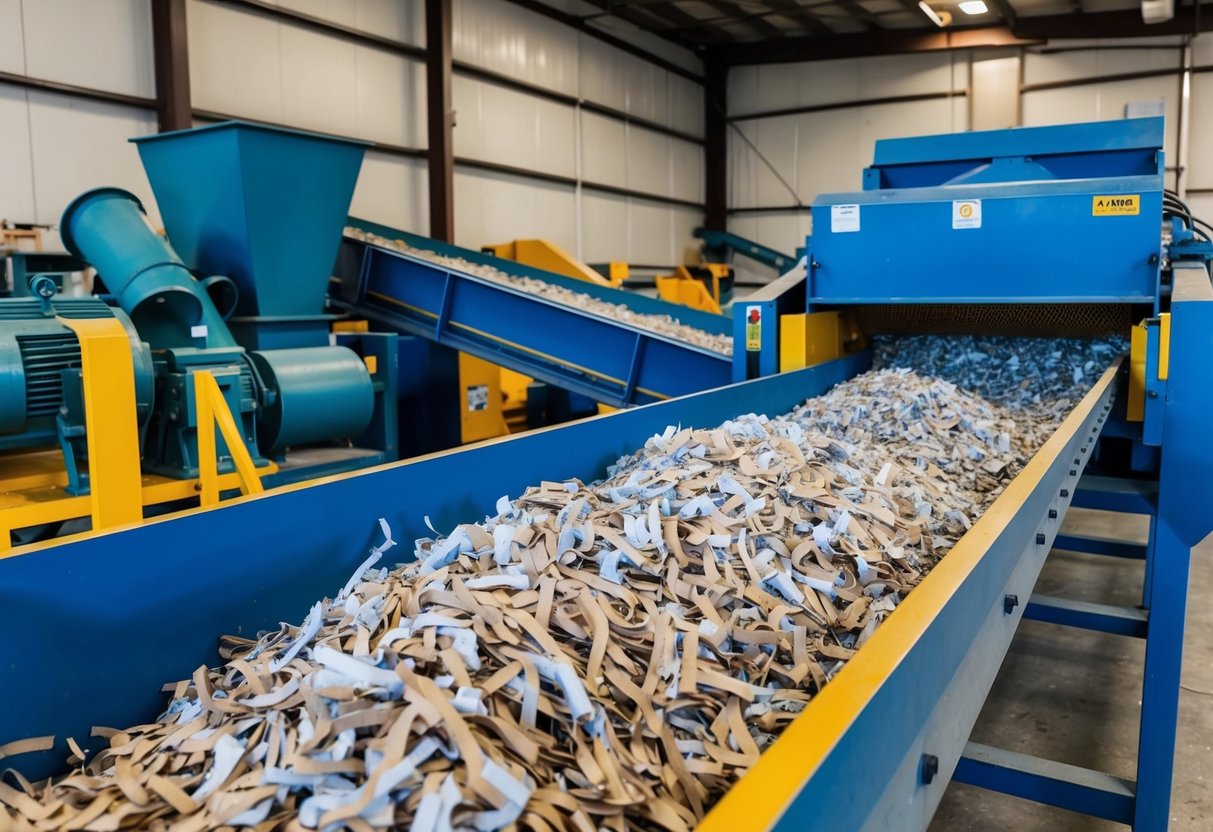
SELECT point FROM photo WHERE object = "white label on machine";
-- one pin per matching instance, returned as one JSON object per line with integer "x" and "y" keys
{"x": 198, "y": 331}
{"x": 844, "y": 218}
{"x": 966, "y": 213}
{"x": 478, "y": 397}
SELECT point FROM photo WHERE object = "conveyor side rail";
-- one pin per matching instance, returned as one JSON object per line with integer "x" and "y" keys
{"x": 610, "y": 361}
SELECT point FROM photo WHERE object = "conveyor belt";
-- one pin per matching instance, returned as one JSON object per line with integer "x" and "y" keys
{"x": 610, "y": 361}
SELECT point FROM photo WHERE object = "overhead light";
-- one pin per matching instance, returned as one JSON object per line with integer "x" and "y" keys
{"x": 1157, "y": 11}
{"x": 929, "y": 12}
{"x": 974, "y": 7}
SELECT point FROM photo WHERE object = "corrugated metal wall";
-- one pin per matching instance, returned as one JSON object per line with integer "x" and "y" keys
{"x": 53, "y": 147}
{"x": 520, "y": 129}
{"x": 251, "y": 65}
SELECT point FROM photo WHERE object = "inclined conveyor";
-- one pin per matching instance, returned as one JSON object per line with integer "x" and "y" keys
{"x": 610, "y": 361}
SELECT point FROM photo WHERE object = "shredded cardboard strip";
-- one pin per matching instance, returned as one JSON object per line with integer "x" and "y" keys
{"x": 660, "y": 324}
{"x": 605, "y": 656}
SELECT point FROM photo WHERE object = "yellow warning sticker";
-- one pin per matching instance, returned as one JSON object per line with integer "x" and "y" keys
{"x": 1116, "y": 205}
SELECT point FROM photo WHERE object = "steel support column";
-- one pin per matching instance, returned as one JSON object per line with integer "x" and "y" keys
{"x": 440, "y": 119}
{"x": 715, "y": 155}
{"x": 170, "y": 47}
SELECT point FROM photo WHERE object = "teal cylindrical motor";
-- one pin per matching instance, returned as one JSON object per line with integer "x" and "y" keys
{"x": 321, "y": 393}
{"x": 37, "y": 357}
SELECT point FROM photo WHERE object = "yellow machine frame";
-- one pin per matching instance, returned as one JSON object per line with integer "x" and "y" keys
{"x": 810, "y": 338}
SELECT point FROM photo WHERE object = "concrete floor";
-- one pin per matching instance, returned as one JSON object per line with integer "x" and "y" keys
{"x": 1075, "y": 696}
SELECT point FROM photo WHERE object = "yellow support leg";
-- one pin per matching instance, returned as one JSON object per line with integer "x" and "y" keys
{"x": 110, "y": 420}
{"x": 212, "y": 411}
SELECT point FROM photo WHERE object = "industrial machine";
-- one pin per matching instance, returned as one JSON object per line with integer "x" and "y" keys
{"x": 1067, "y": 229}
{"x": 226, "y": 319}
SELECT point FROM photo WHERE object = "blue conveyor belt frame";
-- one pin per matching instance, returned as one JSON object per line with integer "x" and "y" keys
{"x": 610, "y": 361}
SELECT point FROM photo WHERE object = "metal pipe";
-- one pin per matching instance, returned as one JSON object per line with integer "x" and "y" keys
{"x": 108, "y": 228}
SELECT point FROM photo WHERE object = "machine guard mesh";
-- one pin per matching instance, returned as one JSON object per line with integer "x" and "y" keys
{"x": 1037, "y": 320}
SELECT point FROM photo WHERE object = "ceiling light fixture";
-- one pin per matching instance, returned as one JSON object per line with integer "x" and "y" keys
{"x": 929, "y": 12}
{"x": 974, "y": 7}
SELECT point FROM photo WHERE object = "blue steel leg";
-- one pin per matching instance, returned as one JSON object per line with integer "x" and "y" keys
{"x": 1094, "y": 545}
{"x": 1070, "y": 787}
{"x": 1148, "y": 579}
{"x": 1167, "y": 600}
{"x": 634, "y": 371}
{"x": 444, "y": 311}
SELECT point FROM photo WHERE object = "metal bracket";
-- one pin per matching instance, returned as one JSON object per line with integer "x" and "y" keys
{"x": 213, "y": 412}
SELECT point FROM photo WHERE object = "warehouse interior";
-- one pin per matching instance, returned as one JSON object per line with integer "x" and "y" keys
{"x": 844, "y": 366}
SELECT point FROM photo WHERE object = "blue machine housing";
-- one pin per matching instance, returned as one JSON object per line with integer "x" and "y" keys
{"x": 1001, "y": 216}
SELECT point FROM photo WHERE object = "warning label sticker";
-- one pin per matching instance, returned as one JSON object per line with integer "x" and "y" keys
{"x": 844, "y": 219}
{"x": 1117, "y": 205}
{"x": 478, "y": 397}
{"x": 966, "y": 213}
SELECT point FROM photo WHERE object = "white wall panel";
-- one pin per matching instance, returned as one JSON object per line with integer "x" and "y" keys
{"x": 105, "y": 44}
{"x": 648, "y": 94}
{"x": 603, "y": 150}
{"x": 399, "y": 20}
{"x": 825, "y": 151}
{"x": 12, "y": 37}
{"x": 497, "y": 124}
{"x": 783, "y": 231}
{"x": 1201, "y": 205}
{"x": 1200, "y": 134}
{"x": 832, "y": 154}
{"x": 1103, "y": 102}
{"x": 995, "y": 93}
{"x": 249, "y": 86}
{"x": 604, "y": 227}
{"x": 287, "y": 73}
{"x": 601, "y": 81}
{"x": 899, "y": 75}
{"x": 648, "y": 161}
{"x": 1202, "y": 49}
{"x": 686, "y": 247}
{"x": 512, "y": 41}
{"x": 16, "y": 169}
{"x": 1091, "y": 63}
{"x": 686, "y": 105}
{"x": 651, "y": 233}
{"x": 391, "y": 98}
{"x": 393, "y": 191}
{"x": 639, "y": 231}
{"x": 686, "y": 170}
{"x": 77, "y": 145}
{"x": 752, "y": 181}
{"x": 494, "y": 208}
{"x": 754, "y": 89}
{"x": 319, "y": 81}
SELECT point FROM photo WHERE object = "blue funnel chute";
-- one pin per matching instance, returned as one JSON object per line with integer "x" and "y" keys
{"x": 262, "y": 205}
